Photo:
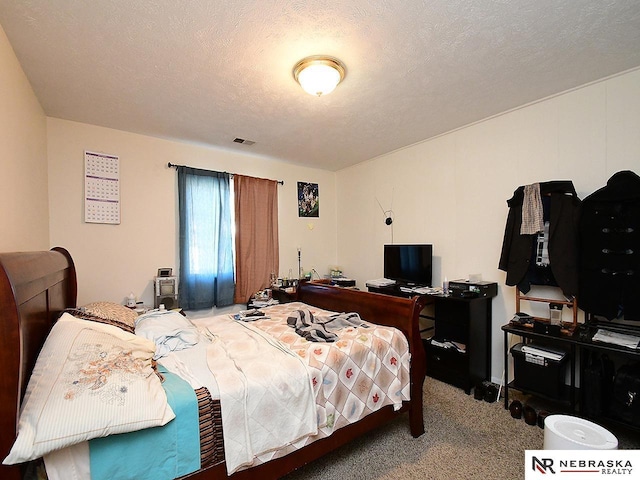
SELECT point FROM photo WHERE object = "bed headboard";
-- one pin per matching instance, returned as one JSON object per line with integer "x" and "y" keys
{"x": 34, "y": 288}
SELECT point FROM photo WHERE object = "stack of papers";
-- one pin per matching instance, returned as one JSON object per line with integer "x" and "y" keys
{"x": 380, "y": 282}
{"x": 542, "y": 353}
{"x": 460, "y": 347}
{"x": 621, "y": 339}
{"x": 428, "y": 290}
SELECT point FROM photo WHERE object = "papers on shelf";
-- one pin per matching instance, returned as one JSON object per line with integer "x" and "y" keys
{"x": 380, "y": 282}
{"x": 527, "y": 349}
{"x": 428, "y": 290}
{"x": 621, "y": 339}
{"x": 460, "y": 347}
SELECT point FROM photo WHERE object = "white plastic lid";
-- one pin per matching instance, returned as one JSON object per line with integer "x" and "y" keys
{"x": 583, "y": 433}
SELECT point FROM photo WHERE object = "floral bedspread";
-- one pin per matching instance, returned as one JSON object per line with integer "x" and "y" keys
{"x": 364, "y": 370}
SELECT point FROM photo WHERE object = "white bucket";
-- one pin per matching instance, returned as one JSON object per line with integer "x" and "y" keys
{"x": 564, "y": 432}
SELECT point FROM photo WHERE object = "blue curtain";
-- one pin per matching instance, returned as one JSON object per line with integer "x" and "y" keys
{"x": 206, "y": 239}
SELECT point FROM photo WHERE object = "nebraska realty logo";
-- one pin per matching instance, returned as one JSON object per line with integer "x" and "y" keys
{"x": 591, "y": 464}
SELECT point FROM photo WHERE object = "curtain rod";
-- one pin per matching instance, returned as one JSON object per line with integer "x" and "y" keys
{"x": 173, "y": 165}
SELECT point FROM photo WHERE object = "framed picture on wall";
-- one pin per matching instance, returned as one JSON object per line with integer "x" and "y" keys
{"x": 308, "y": 200}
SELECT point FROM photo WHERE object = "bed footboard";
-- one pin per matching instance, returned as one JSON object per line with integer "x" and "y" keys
{"x": 401, "y": 313}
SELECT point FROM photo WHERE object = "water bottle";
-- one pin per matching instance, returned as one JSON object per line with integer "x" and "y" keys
{"x": 131, "y": 300}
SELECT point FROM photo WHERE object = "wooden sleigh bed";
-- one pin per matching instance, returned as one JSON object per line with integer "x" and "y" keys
{"x": 35, "y": 287}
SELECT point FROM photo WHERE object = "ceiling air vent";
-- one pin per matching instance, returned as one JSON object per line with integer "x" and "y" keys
{"x": 243, "y": 141}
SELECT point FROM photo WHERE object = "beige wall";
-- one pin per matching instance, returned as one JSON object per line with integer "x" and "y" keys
{"x": 113, "y": 260}
{"x": 24, "y": 214}
{"x": 452, "y": 190}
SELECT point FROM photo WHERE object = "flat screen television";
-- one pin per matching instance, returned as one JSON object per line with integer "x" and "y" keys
{"x": 409, "y": 264}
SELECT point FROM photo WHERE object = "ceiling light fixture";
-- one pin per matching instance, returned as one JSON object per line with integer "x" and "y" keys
{"x": 319, "y": 74}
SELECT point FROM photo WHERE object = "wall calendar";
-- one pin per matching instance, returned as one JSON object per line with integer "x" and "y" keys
{"x": 101, "y": 188}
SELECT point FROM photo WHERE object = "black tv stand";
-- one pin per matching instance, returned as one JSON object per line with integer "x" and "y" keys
{"x": 464, "y": 321}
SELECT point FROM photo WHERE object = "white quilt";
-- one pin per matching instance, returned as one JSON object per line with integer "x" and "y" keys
{"x": 365, "y": 370}
{"x": 266, "y": 393}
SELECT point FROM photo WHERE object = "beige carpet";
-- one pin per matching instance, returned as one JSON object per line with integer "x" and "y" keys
{"x": 465, "y": 439}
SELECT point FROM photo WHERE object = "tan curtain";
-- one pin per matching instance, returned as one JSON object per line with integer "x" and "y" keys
{"x": 257, "y": 252}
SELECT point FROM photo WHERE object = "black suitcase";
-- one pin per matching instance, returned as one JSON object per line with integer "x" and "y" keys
{"x": 625, "y": 401}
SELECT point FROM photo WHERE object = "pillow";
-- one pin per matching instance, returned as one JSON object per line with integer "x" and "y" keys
{"x": 90, "y": 380}
{"x": 82, "y": 314}
{"x": 111, "y": 314}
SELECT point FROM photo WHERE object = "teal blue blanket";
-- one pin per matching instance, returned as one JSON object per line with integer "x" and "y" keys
{"x": 157, "y": 453}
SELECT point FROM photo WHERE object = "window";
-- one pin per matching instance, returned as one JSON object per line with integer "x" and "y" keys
{"x": 206, "y": 239}
{"x": 210, "y": 212}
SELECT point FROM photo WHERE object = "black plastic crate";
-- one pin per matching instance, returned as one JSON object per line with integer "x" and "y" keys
{"x": 538, "y": 374}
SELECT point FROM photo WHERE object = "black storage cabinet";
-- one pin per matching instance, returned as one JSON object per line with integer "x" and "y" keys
{"x": 466, "y": 321}
{"x": 456, "y": 319}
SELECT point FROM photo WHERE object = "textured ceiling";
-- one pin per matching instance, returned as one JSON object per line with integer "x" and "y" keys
{"x": 208, "y": 71}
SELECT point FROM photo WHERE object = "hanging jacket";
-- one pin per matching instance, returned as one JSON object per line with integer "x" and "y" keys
{"x": 609, "y": 249}
{"x": 562, "y": 208}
